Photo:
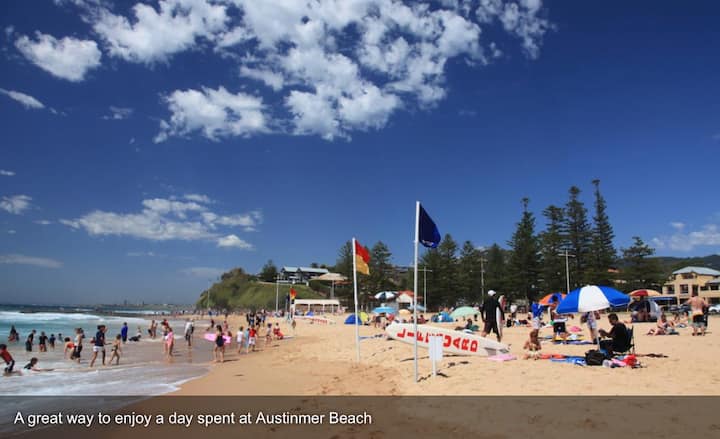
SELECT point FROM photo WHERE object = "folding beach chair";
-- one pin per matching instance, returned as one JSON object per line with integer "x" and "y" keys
{"x": 631, "y": 346}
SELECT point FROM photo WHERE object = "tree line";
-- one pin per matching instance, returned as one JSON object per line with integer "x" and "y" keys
{"x": 532, "y": 264}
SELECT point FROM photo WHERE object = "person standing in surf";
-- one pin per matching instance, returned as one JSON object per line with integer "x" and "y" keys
{"x": 219, "y": 350}
{"x": 124, "y": 332}
{"x": 77, "y": 348}
{"x": 488, "y": 312}
{"x": 99, "y": 345}
{"x": 189, "y": 329}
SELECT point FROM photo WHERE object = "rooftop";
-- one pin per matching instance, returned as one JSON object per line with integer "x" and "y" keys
{"x": 289, "y": 269}
{"x": 698, "y": 270}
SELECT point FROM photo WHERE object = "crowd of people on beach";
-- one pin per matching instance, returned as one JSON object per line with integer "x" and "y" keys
{"x": 245, "y": 338}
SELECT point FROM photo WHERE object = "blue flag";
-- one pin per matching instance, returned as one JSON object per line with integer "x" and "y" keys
{"x": 429, "y": 234}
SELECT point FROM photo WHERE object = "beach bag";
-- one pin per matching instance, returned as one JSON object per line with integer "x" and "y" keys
{"x": 595, "y": 358}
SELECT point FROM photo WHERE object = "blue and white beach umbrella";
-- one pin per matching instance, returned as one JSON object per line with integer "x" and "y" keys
{"x": 592, "y": 298}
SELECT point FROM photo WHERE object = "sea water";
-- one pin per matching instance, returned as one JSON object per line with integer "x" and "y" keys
{"x": 143, "y": 370}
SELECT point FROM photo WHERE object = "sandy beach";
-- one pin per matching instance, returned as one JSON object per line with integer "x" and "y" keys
{"x": 320, "y": 360}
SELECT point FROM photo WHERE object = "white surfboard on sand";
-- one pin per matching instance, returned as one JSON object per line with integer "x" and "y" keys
{"x": 454, "y": 342}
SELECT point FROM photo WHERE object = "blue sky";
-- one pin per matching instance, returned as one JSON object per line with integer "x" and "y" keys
{"x": 148, "y": 147}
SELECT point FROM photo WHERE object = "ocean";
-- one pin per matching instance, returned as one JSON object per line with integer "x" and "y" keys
{"x": 143, "y": 371}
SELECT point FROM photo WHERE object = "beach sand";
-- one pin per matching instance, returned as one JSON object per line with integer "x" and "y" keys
{"x": 321, "y": 360}
{"x": 317, "y": 367}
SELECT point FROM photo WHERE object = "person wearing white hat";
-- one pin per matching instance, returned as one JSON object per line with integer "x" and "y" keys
{"x": 489, "y": 315}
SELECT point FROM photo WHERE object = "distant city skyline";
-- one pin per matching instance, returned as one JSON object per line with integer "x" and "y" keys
{"x": 139, "y": 164}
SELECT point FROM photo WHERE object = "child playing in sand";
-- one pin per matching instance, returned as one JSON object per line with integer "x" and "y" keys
{"x": 532, "y": 346}
{"x": 277, "y": 333}
{"x": 115, "y": 350}
{"x": 9, "y": 361}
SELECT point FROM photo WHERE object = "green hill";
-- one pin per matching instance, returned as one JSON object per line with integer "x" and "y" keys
{"x": 239, "y": 290}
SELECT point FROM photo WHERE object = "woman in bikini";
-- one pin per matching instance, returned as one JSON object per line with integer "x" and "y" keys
{"x": 115, "y": 350}
{"x": 219, "y": 351}
{"x": 169, "y": 342}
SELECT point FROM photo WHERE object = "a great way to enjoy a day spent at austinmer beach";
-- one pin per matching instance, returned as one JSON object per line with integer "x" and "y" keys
{"x": 362, "y": 218}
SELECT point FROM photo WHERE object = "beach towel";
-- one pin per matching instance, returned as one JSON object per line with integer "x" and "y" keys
{"x": 502, "y": 357}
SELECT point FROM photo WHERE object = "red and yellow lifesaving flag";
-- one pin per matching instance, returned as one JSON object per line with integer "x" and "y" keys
{"x": 362, "y": 259}
{"x": 293, "y": 293}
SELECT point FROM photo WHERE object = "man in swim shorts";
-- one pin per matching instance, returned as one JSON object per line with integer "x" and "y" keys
{"x": 697, "y": 307}
{"x": 99, "y": 345}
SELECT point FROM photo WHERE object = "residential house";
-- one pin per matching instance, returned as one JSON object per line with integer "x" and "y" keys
{"x": 702, "y": 280}
{"x": 301, "y": 274}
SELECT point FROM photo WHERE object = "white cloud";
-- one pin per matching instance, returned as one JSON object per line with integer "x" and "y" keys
{"x": 332, "y": 67}
{"x": 6, "y": 173}
{"x": 29, "y": 260}
{"x": 677, "y": 225}
{"x": 233, "y": 241}
{"x": 215, "y": 113}
{"x": 203, "y": 272}
{"x": 16, "y": 204}
{"x": 708, "y": 235}
{"x": 43, "y": 222}
{"x": 11, "y": 232}
{"x": 139, "y": 254}
{"x": 272, "y": 79}
{"x": 68, "y": 58}
{"x": 155, "y": 35}
{"x": 167, "y": 219}
{"x": 27, "y": 101}
{"x": 199, "y": 198}
{"x": 118, "y": 113}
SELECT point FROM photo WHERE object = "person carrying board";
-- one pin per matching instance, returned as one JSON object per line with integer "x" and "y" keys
{"x": 489, "y": 316}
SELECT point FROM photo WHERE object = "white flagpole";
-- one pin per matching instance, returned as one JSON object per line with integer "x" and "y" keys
{"x": 415, "y": 287}
{"x": 357, "y": 316}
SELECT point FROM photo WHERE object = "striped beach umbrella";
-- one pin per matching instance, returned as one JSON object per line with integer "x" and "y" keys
{"x": 592, "y": 298}
{"x": 644, "y": 293}
{"x": 550, "y": 298}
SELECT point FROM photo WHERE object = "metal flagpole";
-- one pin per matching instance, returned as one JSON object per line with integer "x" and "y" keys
{"x": 357, "y": 316}
{"x": 277, "y": 294}
{"x": 415, "y": 287}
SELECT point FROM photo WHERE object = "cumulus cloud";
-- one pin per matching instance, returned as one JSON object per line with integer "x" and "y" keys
{"x": 154, "y": 35}
{"x": 200, "y": 198}
{"x": 17, "y": 204}
{"x": 163, "y": 219}
{"x": 27, "y": 101}
{"x": 29, "y": 260}
{"x": 331, "y": 67}
{"x": 215, "y": 113}
{"x": 118, "y": 113}
{"x": 233, "y": 241}
{"x": 707, "y": 235}
{"x": 68, "y": 58}
{"x": 203, "y": 272}
{"x": 6, "y": 173}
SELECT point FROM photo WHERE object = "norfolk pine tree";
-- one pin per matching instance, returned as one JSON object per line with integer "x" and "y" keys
{"x": 604, "y": 256}
{"x": 578, "y": 239}
{"x": 524, "y": 260}
{"x": 552, "y": 273}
